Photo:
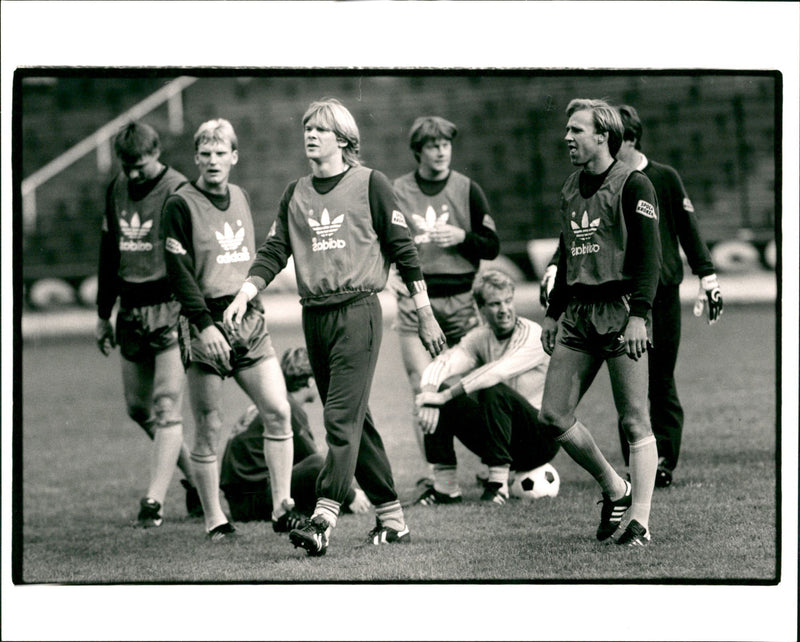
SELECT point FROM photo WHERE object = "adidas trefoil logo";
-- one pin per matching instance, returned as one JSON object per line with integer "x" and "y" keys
{"x": 325, "y": 228}
{"x": 230, "y": 241}
{"x": 586, "y": 229}
{"x": 133, "y": 232}
{"x": 584, "y": 232}
{"x": 429, "y": 222}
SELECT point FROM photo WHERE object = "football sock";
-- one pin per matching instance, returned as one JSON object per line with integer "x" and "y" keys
{"x": 166, "y": 445}
{"x": 206, "y": 477}
{"x": 390, "y": 515}
{"x": 580, "y": 445}
{"x": 185, "y": 464}
{"x": 328, "y": 509}
{"x": 499, "y": 475}
{"x": 643, "y": 464}
{"x": 279, "y": 454}
{"x": 445, "y": 479}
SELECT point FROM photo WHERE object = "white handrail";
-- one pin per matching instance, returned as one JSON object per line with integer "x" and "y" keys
{"x": 98, "y": 139}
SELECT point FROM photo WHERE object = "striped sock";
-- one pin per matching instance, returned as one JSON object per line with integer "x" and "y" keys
{"x": 390, "y": 515}
{"x": 328, "y": 509}
{"x": 206, "y": 476}
{"x": 580, "y": 445}
{"x": 166, "y": 446}
{"x": 643, "y": 464}
{"x": 445, "y": 479}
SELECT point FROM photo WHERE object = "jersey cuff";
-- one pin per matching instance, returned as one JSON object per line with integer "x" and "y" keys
{"x": 249, "y": 289}
{"x": 420, "y": 299}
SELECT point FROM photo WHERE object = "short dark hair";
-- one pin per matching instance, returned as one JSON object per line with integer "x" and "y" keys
{"x": 426, "y": 128}
{"x": 296, "y": 368}
{"x": 135, "y": 140}
{"x": 631, "y": 124}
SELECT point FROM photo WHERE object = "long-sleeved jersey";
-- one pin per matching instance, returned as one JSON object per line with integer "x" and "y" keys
{"x": 343, "y": 231}
{"x": 456, "y": 200}
{"x": 482, "y": 360}
{"x": 634, "y": 249}
{"x": 209, "y": 248}
{"x": 131, "y": 264}
{"x": 677, "y": 225}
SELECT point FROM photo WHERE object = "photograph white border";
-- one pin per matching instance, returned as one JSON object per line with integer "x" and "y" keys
{"x": 410, "y": 35}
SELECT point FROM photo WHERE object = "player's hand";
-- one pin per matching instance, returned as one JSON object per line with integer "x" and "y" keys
{"x": 635, "y": 338}
{"x": 360, "y": 503}
{"x": 546, "y": 284}
{"x": 427, "y": 418}
{"x": 446, "y": 235}
{"x": 709, "y": 293}
{"x": 549, "y": 332}
{"x": 430, "y": 398}
{"x": 234, "y": 313}
{"x": 104, "y": 334}
{"x": 216, "y": 346}
{"x": 429, "y": 331}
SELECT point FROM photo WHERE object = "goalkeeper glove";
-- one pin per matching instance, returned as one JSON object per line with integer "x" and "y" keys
{"x": 709, "y": 292}
{"x": 546, "y": 285}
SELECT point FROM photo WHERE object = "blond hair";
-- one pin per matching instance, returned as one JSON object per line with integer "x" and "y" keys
{"x": 330, "y": 113}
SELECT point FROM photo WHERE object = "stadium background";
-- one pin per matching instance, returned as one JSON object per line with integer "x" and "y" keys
{"x": 717, "y": 130}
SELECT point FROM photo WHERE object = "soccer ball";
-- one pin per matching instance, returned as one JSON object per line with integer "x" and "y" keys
{"x": 534, "y": 484}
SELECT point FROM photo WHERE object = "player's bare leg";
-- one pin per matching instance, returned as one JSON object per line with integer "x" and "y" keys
{"x": 167, "y": 401}
{"x": 265, "y": 386}
{"x": 568, "y": 376}
{"x": 204, "y": 396}
{"x": 138, "y": 383}
{"x": 629, "y": 386}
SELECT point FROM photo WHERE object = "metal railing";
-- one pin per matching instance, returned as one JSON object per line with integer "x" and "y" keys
{"x": 171, "y": 93}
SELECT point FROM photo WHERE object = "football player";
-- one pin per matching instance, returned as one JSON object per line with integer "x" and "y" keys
{"x": 132, "y": 269}
{"x": 343, "y": 226}
{"x": 487, "y": 391}
{"x": 678, "y": 229}
{"x": 448, "y": 215}
{"x": 609, "y": 262}
{"x": 210, "y": 247}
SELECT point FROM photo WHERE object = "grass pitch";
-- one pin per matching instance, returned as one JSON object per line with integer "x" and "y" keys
{"x": 84, "y": 468}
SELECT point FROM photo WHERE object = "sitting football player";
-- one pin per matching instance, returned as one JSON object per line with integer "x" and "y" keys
{"x": 244, "y": 477}
{"x": 486, "y": 390}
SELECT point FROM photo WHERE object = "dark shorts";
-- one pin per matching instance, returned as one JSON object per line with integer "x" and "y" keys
{"x": 597, "y": 327}
{"x": 456, "y": 315}
{"x": 250, "y": 344}
{"x": 144, "y": 332}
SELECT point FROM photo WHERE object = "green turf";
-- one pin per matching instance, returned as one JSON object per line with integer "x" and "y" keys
{"x": 85, "y": 468}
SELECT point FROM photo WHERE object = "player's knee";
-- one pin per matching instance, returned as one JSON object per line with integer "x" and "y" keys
{"x": 549, "y": 417}
{"x": 207, "y": 431}
{"x": 166, "y": 410}
{"x": 636, "y": 427}
{"x": 277, "y": 420}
